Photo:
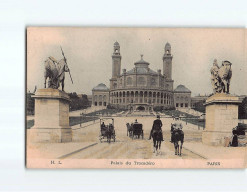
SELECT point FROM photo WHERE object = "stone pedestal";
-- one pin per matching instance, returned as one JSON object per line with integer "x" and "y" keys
{"x": 221, "y": 118}
{"x": 51, "y": 122}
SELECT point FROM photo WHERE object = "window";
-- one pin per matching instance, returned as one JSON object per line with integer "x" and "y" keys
{"x": 181, "y": 105}
{"x": 104, "y": 103}
{"x": 141, "y": 81}
{"x": 129, "y": 81}
{"x": 95, "y": 103}
{"x": 176, "y": 104}
{"x": 153, "y": 81}
{"x": 186, "y": 105}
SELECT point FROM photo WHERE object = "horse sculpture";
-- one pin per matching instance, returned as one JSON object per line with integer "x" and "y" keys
{"x": 178, "y": 136}
{"x": 221, "y": 77}
{"x": 55, "y": 71}
{"x": 157, "y": 139}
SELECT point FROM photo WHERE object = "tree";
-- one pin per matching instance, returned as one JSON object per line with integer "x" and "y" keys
{"x": 77, "y": 102}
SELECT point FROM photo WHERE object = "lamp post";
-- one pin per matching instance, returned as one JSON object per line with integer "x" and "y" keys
{"x": 81, "y": 115}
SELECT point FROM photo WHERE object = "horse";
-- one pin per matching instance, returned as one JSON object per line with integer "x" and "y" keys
{"x": 178, "y": 136}
{"x": 55, "y": 72}
{"x": 172, "y": 130}
{"x": 129, "y": 129}
{"x": 107, "y": 131}
{"x": 157, "y": 139}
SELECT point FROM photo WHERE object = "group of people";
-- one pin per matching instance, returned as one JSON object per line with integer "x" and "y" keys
{"x": 157, "y": 125}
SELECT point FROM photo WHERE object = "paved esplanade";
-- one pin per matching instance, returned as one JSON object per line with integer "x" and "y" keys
{"x": 125, "y": 147}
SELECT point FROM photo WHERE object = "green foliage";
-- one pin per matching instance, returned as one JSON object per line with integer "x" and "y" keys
{"x": 77, "y": 102}
{"x": 199, "y": 106}
{"x": 162, "y": 108}
{"x": 29, "y": 104}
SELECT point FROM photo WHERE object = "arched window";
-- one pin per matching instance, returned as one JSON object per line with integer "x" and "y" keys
{"x": 129, "y": 81}
{"x": 141, "y": 81}
{"x": 153, "y": 81}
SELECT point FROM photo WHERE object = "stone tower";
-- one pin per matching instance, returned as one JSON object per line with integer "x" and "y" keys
{"x": 167, "y": 62}
{"x": 116, "y": 65}
{"x": 167, "y": 67}
{"x": 116, "y": 60}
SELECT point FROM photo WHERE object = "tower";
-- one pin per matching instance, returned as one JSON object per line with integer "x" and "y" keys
{"x": 116, "y": 60}
{"x": 167, "y": 67}
{"x": 116, "y": 65}
{"x": 167, "y": 62}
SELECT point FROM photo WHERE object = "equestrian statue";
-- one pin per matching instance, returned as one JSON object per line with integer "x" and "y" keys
{"x": 55, "y": 71}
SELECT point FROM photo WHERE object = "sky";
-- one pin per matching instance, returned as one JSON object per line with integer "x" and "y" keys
{"x": 88, "y": 52}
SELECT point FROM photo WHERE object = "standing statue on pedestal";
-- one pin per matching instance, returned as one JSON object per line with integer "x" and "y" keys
{"x": 55, "y": 71}
{"x": 221, "y": 77}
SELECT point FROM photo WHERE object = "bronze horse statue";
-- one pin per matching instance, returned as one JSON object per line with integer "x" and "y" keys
{"x": 55, "y": 71}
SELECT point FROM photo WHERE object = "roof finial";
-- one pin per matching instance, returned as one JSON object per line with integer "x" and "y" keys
{"x": 142, "y": 56}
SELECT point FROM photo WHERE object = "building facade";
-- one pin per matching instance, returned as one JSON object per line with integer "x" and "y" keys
{"x": 100, "y": 95}
{"x": 182, "y": 97}
{"x": 141, "y": 88}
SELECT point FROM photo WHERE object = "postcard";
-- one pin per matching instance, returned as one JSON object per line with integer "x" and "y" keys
{"x": 136, "y": 97}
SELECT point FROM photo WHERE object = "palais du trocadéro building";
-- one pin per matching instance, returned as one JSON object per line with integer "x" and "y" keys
{"x": 141, "y": 88}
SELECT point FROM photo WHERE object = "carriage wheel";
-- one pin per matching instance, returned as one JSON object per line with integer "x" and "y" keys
{"x": 142, "y": 135}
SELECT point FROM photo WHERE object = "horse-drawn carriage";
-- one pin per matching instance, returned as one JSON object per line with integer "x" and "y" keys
{"x": 135, "y": 130}
{"x": 107, "y": 131}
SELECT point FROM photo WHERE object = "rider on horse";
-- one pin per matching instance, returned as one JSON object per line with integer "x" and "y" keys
{"x": 176, "y": 127}
{"x": 157, "y": 126}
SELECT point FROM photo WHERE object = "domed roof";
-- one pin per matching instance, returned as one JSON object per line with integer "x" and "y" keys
{"x": 142, "y": 70}
{"x": 116, "y": 44}
{"x": 141, "y": 67}
{"x": 182, "y": 88}
{"x": 141, "y": 63}
{"x": 100, "y": 87}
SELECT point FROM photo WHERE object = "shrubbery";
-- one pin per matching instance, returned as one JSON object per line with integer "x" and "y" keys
{"x": 77, "y": 102}
{"x": 162, "y": 108}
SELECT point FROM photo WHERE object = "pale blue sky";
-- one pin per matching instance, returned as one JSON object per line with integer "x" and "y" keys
{"x": 89, "y": 50}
